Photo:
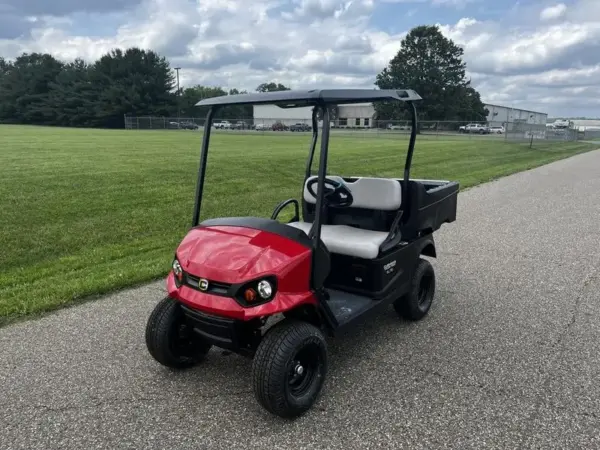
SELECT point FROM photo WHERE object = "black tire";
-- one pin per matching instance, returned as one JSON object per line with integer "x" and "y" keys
{"x": 170, "y": 341}
{"x": 417, "y": 302}
{"x": 278, "y": 385}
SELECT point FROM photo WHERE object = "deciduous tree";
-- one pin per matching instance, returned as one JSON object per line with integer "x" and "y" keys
{"x": 432, "y": 65}
{"x": 271, "y": 87}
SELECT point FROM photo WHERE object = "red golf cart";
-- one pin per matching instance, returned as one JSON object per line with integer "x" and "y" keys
{"x": 358, "y": 244}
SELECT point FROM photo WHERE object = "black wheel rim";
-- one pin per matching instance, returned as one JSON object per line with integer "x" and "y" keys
{"x": 303, "y": 369}
{"x": 425, "y": 290}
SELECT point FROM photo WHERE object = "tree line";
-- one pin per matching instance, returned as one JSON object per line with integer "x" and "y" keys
{"x": 37, "y": 88}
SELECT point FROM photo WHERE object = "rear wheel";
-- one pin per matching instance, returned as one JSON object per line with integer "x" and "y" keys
{"x": 289, "y": 368}
{"x": 416, "y": 303}
{"x": 170, "y": 340}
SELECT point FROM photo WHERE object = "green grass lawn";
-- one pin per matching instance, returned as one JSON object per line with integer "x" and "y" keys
{"x": 88, "y": 211}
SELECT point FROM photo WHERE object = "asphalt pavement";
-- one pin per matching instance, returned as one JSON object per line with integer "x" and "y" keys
{"x": 507, "y": 358}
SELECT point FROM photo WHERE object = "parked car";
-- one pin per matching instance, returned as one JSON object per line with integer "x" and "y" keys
{"x": 300, "y": 127}
{"x": 474, "y": 128}
{"x": 240, "y": 125}
{"x": 398, "y": 127}
{"x": 261, "y": 127}
{"x": 497, "y": 130}
{"x": 187, "y": 125}
{"x": 223, "y": 124}
{"x": 278, "y": 126}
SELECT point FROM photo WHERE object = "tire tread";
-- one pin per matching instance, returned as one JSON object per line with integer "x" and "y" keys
{"x": 407, "y": 305}
{"x": 270, "y": 361}
{"x": 157, "y": 340}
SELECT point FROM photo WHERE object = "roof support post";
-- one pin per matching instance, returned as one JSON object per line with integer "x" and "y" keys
{"x": 409, "y": 155}
{"x": 313, "y": 144}
{"x": 202, "y": 168}
{"x": 315, "y": 231}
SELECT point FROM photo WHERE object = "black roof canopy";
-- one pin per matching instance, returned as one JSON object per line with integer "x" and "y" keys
{"x": 299, "y": 98}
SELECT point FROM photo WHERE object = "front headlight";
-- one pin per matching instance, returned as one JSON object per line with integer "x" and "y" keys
{"x": 265, "y": 290}
{"x": 177, "y": 272}
{"x": 257, "y": 292}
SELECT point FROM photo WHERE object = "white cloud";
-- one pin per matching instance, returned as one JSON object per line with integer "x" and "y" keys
{"x": 493, "y": 49}
{"x": 545, "y": 64}
{"x": 553, "y": 12}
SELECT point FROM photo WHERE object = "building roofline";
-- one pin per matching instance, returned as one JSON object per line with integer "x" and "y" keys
{"x": 517, "y": 109}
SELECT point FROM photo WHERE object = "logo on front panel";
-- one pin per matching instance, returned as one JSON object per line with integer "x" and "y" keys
{"x": 203, "y": 284}
{"x": 389, "y": 267}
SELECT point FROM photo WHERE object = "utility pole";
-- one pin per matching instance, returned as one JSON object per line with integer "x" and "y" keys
{"x": 178, "y": 96}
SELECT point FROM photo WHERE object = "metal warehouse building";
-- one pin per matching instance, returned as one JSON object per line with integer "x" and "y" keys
{"x": 361, "y": 115}
{"x": 503, "y": 115}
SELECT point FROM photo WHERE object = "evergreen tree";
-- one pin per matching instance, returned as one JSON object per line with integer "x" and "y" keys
{"x": 136, "y": 82}
{"x": 24, "y": 88}
{"x": 73, "y": 95}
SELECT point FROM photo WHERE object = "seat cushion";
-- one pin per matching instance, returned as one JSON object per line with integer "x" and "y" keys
{"x": 347, "y": 240}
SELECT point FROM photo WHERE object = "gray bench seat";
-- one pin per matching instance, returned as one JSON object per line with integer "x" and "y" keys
{"x": 368, "y": 193}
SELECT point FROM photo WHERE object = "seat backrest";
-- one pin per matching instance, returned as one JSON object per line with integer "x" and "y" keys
{"x": 369, "y": 193}
{"x": 375, "y": 203}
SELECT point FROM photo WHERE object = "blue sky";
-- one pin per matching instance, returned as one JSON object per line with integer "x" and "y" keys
{"x": 398, "y": 17}
{"x": 539, "y": 55}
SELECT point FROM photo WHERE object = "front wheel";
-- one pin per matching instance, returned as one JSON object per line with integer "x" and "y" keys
{"x": 289, "y": 368}
{"x": 170, "y": 340}
{"x": 415, "y": 304}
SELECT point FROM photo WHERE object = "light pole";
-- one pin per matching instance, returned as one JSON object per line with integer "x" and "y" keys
{"x": 178, "y": 102}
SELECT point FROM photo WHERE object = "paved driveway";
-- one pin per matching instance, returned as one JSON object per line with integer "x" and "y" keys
{"x": 508, "y": 357}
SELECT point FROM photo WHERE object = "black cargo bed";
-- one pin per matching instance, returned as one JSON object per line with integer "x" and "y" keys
{"x": 431, "y": 203}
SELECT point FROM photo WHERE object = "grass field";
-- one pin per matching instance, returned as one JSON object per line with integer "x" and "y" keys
{"x": 88, "y": 211}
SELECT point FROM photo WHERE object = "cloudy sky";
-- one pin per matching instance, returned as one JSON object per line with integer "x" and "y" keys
{"x": 535, "y": 54}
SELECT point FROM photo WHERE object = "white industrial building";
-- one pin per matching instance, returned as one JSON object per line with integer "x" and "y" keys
{"x": 355, "y": 115}
{"x": 361, "y": 115}
{"x": 580, "y": 124}
{"x": 270, "y": 114}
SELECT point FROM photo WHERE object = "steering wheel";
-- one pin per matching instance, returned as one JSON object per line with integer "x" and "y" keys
{"x": 336, "y": 193}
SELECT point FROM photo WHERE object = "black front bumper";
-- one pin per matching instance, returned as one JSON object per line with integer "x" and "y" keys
{"x": 235, "y": 335}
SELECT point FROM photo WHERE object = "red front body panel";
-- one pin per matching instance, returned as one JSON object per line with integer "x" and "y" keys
{"x": 232, "y": 255}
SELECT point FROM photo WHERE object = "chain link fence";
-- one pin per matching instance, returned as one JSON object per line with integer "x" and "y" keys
{"x": 589, "y": 133}
{"x": 509, "y": 131}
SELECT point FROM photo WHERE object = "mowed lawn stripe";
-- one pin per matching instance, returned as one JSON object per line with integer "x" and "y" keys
{"x": 88, "y": 211}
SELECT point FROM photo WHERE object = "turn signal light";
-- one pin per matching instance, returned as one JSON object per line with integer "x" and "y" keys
{"x": 250, "y": 295}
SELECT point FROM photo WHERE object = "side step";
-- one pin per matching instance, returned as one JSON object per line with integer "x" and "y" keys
{"x": 347, "y": 307}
